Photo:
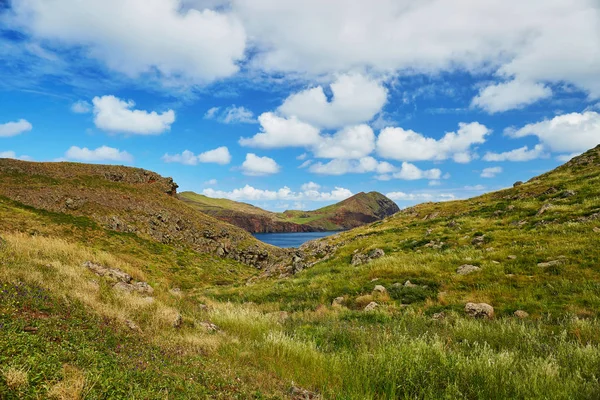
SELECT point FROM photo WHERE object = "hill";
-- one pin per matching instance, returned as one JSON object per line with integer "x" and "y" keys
{"x": 378, "y": 312}
{"x": 355, "y": 211}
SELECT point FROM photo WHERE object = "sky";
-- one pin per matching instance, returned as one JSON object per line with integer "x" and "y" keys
{"x": 299, "y": 104}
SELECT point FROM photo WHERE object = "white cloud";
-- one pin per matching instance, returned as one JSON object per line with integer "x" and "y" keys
{"x": 510, "y": 95}
{"x": 344, "y": 166}
{"x": 137, "y": 37}
{"x": 567, "y": 157}
{"x": 231, "y": 115}
{"x": 302, "y": 156}
{"x": 568, "y": 133}
{"x": 250, "y": 193}
{"x": 305, "y": 164}
{"x": 12, "y": 154}
{"x": 115, "y": 115}
{"x": 491, "y": 172}
{"x": 355, "y": 99}
{"x": 407, "y": 145}
{"x": 14, "y": 128}
{"x": 210, "y": 182}
{"x": 278, "y": 132}
{"x": 258, "y": 166}
{"x": 411, "y": 172}
{"x": 311, "y": 186}
{"x": 476, "y": 188}
{"x": 103, "y": 153}
{"x": 402, "y": 196}
{"x": 520, "y": 154}
{"x": 352, "y": 142}
{"x": 220, "y": 155}
{"x": 81, "y": 107}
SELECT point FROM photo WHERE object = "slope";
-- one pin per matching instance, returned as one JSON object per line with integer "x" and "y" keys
{"x": 357, "y": 210}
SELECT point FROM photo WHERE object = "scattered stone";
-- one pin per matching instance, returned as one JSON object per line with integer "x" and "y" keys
{"x": 479, "y": 310}
{"x": 552, "y": 263}
{"x": 176, "y": 291}
{"x": 510, "y": 208}
{"x": 544, "y": 208}
{"x": 374, "y": 279}
{"x": 30, "y": 329}
{"x": 371, "y": 306}
{"x": 178, "y": 321}
{"x": 467, "y": 269}
{"x": 478, "y": 240}
{"x": 596, "y": 230}
{"x": 338, "y": 301}
{"x": 376, "y": 253}
{"x": 512, "y": 257}
{"x": 409, "y": 284}
{"x": 567, "y": 193}
{"x": 360, "y": 258}
{"x": 517, "y": 183}
{"x": 132, "y": 325}
{"x": 302, "y": 394}
{"x": 143, "y": 287}
{"x": 210, "y": 327}
{"x": 379, "y": 289}
{"x": 124, "y": 287}
{"x": 495, "y": 262}
{"x": 521, "y": 314}
{"x": 490, "y": 249}
{"x": 439, "y": 316}
{"x": 114, "y": 274}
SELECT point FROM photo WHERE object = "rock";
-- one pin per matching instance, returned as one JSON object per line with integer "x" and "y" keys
{"x": 552, "y": 263}
{"x": 143, "y": 287}
{"x": 297, "y": 393}
{"x": 210, "y": 327}
{"x": 478, "y": 240}
{"x": 517, "y": 183}
{"x": 359, "y": 259}
{"x": 132, "y": 325}
{"x": 544, "y": 208}
{"x": 596, "y": 230}
{"x": 567, "y": 193}
{"x": 175, "y": 291}
{"x": 512, "y": 257}
{"x": 521, "y": 314}
{"x": 124, "y": 287}
{"x": 510, "y": 208}
{"x": 479, "y": 310}
{"x": 114, "y": 274}
{"x": 30, "y": 329}
{"x": 467, "y": 269}
{"x": 379, "y": 289}
{"x": 178, "y": 321}
{"x": 338, "y": 301}
{"x": 439, "y": 316}
{"x": 376, "y": 253}
{"x": 495, "y": 262}
{"x": 409, "y": 284}
{"x": 371, "y": 306}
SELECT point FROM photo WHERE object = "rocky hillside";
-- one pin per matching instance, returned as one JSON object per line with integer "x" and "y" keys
{"x": 129, "y": 200}
{"x": 357, "y": 210}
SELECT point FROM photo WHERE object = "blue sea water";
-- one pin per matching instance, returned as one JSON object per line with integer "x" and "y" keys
{"x": 293, "y": 239}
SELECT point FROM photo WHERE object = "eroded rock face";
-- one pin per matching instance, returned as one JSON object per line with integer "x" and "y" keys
{"x": 479, "y": 310}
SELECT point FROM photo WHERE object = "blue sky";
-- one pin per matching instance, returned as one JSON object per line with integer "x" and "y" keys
{"x": 288, "y": 104}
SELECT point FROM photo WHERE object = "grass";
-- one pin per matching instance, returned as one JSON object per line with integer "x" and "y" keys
{"x": 64, "y": 331}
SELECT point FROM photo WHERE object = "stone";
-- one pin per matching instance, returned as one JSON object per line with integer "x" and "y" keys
{"x": 176, "y": 291}
{"x": 124, "y": 287}
{"x": 477, "y": 240}
{"x": 517, "y": 183}
{"x": 143, "y": 287}
{"x": 596, "y": 230}
{"x": 338, "y": 301}
{"x": 371, "y": 306}
{"x": 376, "y": 253}
{"x": 521, "y": 314}
{"x": 132, "y": 325}
{"x": 114, "y": 274}
{"x": 467, "y": 269}
{"x": 544, "y": 208}
{"x": 379, "y": 289}
{"x": 479, "y": 310}
{"x": 439, "y": 316}
{"x": 178, "y": 321}
{"x": 512, "y": 257}
{"x": 567, "y": 193}
{"x": 209, "y": 326}
{"x": 298, "y": 393}
{"x": 359, "y": 259}
{"x": 552, "y": 263}
{"x": 409, "y": 284}
{"x": 495, "y": 262}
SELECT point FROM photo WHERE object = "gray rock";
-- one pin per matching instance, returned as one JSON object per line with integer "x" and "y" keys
{"x": 517, "y": 183}
{"x": 178, "y": 321}
{"x": 143, "y": 287}
{"x": 376, "y": 253}
{"x": 176, "y": 291}
{"x": 478, "y": 240}
{"x": 521, "y": 314}
{"x": 552, "y": 263}
{"x": 567, "y": 193}
{"x": 439, "y": 316}
{"x": 371, "y": 306}
{"x": 479, "y": 310}
{"x": 298, "y": 393}
{"x": 544, "y": 208}
{"x": 114, "y": 274}
{"x": 596, "y": 230}
{"x": 467, "y": 269}
{"x": 409, "y": 284}
{"x": 379, "y": 289}
{"x": 512, "y": 257}
{"x": 338, "y": 301}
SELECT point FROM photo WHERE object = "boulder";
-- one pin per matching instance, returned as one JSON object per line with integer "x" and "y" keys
{"x": 478, "y": 240}
{"x": 552, "y": 263}
{"x": 114, "y": 274}
{"x": 178, "y": 321}
{"x": 596, "y": 230}
{"x": 521, "y": 314}
{"x": 338, "y": 301}
{"x": 379, "y": 289}
{"x": 512, "y": 257}
{"x": 567, "y": 193}
{"x": 409, "y": 284}
{"x": 371, "y": 306}
{"x": 467, "y": 269}
{"x": 479, "y": 310}
{"x": 143, "y": 287}
{"x": 359, "y": 259}
{"x": 517, "y": 183}
{"x": 376, "y": 253}
{"x": 439, "y": 316}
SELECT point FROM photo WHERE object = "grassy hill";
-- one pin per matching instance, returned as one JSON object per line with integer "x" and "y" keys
{"x": 357, "y": 210}
{"x": 67, "y": 333}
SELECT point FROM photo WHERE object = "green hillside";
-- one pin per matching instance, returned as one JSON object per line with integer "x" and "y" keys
{"x": 214, "y": 327}
{"x": 355, "y": 211}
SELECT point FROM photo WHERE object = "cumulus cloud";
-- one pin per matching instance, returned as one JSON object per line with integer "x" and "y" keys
{"x": 81, "y": 107}
{"x": 520, "y": 154}
{"x": 491, "y": 172}
{"x": 249, "y": 193}
{"x": 137, "y": 37}
{"x": 112, "y": 114}
{"x": 220, "y": 155}
{"x": 568, "y": 133}
{"x": 510, "y": 95}
{"x": 403, "y": 196}
{"x": 103, "y": 153}
{"x": 210, "y": 182}
{"x": 344, "y": 166}
{"x": 12, "y": 154}
{"x": 278, "y": 132}
{"x": 352, "y": 142}
{"x": 231, "y": 115}
{"x": 9, "y": 129}
{"x": 355, "y": 99}
{"x": 258, "y": 166}
{"x": 311, "y": 186}
{"x": 407, "y": 145}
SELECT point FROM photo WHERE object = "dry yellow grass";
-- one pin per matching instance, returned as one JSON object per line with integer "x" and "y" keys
{"x": 16, "y": 378}
{"x": 70, "y": 387}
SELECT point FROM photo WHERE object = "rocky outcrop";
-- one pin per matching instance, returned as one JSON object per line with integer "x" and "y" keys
{"x": 121, "y": 280}
{"x": 479, "y": 310}
{"x": 467, "y": 269}
{"x": 371, "y": 306}
{"x": 363, "y": 258}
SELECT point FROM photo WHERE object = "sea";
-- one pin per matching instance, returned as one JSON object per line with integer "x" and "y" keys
{"x": 292, "y": 239}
